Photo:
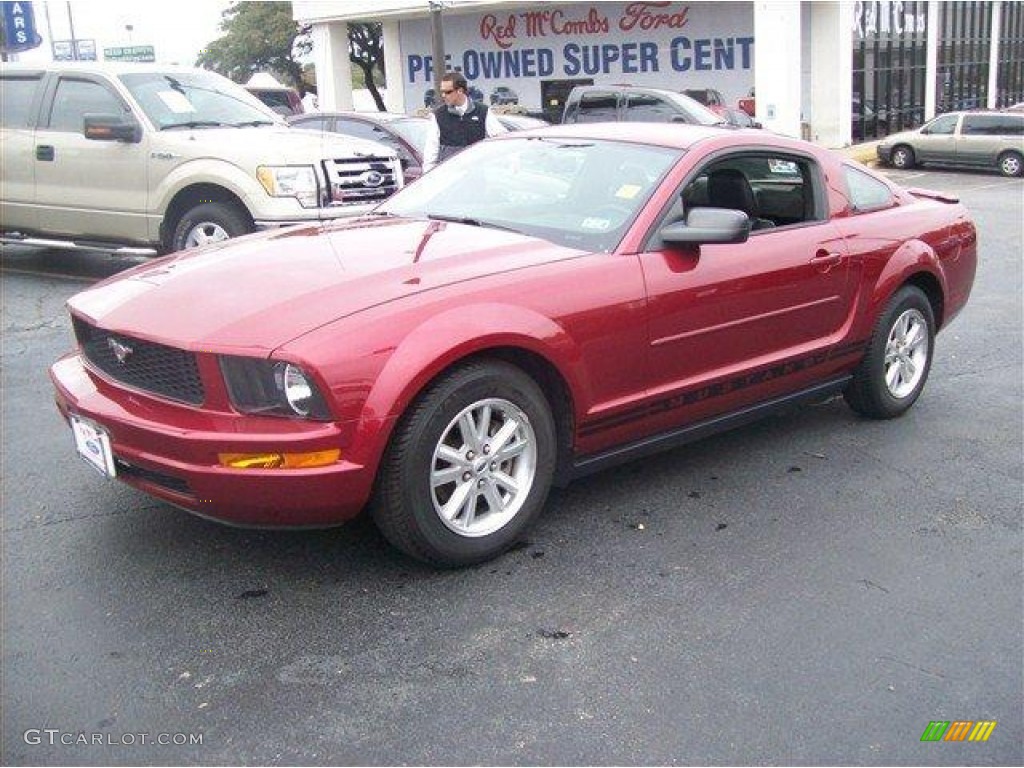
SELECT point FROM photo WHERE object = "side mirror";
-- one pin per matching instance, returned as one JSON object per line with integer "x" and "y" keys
{"x": 756, "y": 124}
{"x": 112, "y": 128}
{"x": 707, "y": 226}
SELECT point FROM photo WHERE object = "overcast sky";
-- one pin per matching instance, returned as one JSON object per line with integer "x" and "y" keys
{"x": 177, "y": 29}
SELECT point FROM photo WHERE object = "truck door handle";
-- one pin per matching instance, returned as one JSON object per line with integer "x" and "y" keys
{"x": 45, "y": 152}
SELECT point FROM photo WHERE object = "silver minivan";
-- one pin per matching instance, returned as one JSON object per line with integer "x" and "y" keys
{"x": 979, "y": 139}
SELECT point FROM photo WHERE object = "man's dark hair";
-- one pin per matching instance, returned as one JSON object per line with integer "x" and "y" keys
{"x": 457, "y": 79}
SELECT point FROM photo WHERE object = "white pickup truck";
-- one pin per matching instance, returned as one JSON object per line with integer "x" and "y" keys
{"x": 147, "y": 158}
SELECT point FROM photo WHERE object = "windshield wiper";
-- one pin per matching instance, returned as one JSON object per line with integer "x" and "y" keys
{"x": 253, "y": 123}
{"x": 470, "y": 221}
{"x": 195, "y": 124}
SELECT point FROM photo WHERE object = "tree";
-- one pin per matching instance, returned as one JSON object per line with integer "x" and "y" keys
{"x": 366, "y": 52}
{"x": 258, "y": 37}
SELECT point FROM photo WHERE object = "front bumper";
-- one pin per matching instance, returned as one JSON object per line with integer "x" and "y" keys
{"x": 170, "y": 452}
{"x": 883, "y": 152}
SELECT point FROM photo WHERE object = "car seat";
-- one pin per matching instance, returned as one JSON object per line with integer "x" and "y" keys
{"x": 729, "y": 188}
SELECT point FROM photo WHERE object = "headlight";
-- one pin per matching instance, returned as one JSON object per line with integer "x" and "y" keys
{"x": 298, "y": 181}
{"x": 272, "y": 388}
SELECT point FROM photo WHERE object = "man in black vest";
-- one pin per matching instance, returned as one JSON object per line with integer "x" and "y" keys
{"x": 459, "y": 122}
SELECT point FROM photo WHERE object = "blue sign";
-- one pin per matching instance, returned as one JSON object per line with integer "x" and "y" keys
{"x": 19, "y": 28}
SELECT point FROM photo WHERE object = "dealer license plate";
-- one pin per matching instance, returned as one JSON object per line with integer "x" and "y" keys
{"x": 93, "y": 444}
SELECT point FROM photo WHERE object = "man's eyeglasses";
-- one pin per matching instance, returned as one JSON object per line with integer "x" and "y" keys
{"x": 445, "y": 93}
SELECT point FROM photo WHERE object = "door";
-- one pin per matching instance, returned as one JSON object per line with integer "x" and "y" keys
{"x": 84, "y": 187}
{"x": 731, "y": 325}
{"x": 937, "y": 141}
{"x": 18, "y": 108}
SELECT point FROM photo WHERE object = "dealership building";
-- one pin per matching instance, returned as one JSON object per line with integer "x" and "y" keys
{"x": 832, "y": 71}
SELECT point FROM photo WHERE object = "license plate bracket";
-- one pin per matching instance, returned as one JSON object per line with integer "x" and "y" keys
{"x": 93, "y": 444}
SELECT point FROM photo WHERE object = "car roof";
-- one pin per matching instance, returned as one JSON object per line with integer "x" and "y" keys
{"x": 675, "y": 135}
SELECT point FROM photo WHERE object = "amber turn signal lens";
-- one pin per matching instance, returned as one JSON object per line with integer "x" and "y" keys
{"x": 279, "y": 460}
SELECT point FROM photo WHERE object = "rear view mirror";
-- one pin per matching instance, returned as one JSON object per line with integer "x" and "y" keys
{"x": 706, "y": 226}
{"x": 112, "y": 128}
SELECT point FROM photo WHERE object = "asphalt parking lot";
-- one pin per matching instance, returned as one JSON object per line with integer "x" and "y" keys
{"x": 813, "y": 589}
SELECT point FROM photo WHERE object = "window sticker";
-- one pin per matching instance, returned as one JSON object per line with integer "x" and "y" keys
{"x": 595, "y": 223}
{"x": 628, "y": 191}
{"x": 176, "y": 102}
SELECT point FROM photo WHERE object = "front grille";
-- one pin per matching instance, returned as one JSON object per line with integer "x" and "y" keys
{"x": 361, "y": 180}
{"x": 175, "y": 484}
{"x": 145, "y": 365}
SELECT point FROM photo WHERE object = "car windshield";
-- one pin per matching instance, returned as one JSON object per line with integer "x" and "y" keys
{"x": 194, "y": 100}
{"x": 580, "y": 193}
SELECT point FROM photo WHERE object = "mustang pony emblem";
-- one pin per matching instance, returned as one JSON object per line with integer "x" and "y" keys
{"x": 121, "y": 351}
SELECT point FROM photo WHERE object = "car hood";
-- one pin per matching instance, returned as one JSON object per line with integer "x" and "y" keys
{"x": 895, "y": 138}
{"x": 253, "y": 294}
{"x": 280, "y": 142}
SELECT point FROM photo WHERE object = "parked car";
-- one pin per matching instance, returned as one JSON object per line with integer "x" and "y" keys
{"x": 979, "y": 139}
{"x": 147, "y": 157}
{"x": 629, "y": 103}
{"x": 504, "y": 95}
{"x": 748, "y": 104}
{"x": 405, "y": 134}
{"x": 1018, "y": 107}
{"x": 284, "y": 101}
{"x": 528, "y": 312}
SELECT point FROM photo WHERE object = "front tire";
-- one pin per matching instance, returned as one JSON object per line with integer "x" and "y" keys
{"x": 902, "y": 158}
{"x": 895, "y": 368}
{"x": 210, "y": 223}
{"x": 469, "y": 466}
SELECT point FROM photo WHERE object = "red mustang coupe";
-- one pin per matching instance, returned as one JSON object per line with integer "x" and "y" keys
{"x": 537, "y": 307}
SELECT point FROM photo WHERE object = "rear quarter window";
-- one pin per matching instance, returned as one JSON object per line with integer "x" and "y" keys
{"x": 993, "y": 125}
{"x": 866, "y": 192}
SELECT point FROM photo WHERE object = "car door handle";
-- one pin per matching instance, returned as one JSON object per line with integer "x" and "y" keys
{"x": 45, "y": 152}
{"x": 825, "y": 260}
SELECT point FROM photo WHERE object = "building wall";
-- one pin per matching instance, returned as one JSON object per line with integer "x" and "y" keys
{"x": 665, "y": 45}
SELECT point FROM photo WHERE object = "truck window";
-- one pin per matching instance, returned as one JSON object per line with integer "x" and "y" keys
{"x": 74, "y": 98}
{"x": 19, "y": 94}
{"x": 646, "y": 108}
{"x": 596, "y": 108}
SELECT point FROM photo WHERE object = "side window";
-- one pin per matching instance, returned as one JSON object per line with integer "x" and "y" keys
{"x": 314, "y": 124}
{"x": 944, "y": 125}
{"x": 993, "y": 125}
{"x": 372, "y": 132}
{"x": 19, "y": 93}
{"x": 75, "y": 98}
{"x": 644, "y": 108}
{"x": 597, "y": 107}
{"x": 774, "y": 190}
{"x": 866, "y": 193}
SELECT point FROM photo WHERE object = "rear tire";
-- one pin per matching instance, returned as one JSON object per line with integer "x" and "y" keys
{"x": 1011, "y": 164}
{"x": 469, "y": 466}
{"x": 210, "y": 223}
{"x": 895, "y": 368}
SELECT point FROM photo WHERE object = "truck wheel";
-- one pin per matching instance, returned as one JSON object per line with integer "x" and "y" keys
{"x": 210, "y": 223}
{"x": 892, "y": 374}
{"x": 469, "y": 466}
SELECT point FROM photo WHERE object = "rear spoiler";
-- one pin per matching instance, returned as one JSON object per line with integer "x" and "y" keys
{"x": 931, "y": 194}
